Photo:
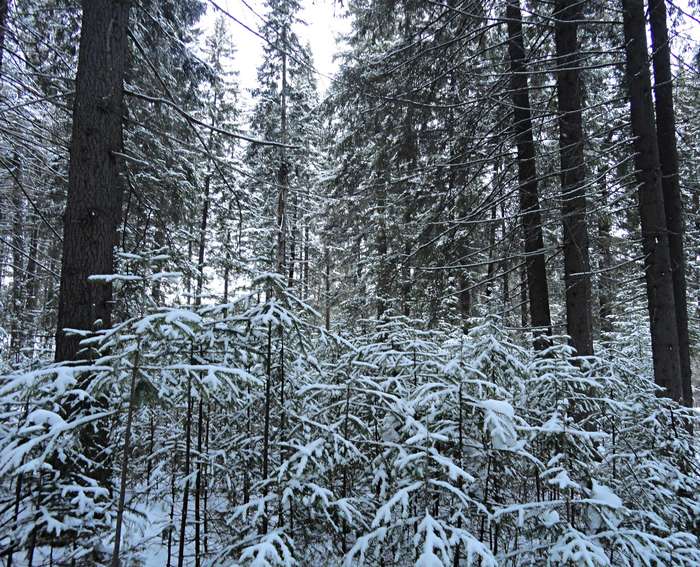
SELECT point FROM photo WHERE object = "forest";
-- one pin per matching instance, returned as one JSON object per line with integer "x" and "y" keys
{"x": 438, "y": 308}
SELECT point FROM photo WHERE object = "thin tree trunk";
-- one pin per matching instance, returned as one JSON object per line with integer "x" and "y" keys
{"x": 205, "y": 479}
{"x": 673, "y": 201}
{"x": 283, "y": 173}
{"x": 491, "y": 268}
{"x": 198, "y": 488}
{"x": 538, "y": 291}
{"x": 18, "y": 272}
{"x": 266, "y": 427}
{"x": 3, "y": 29}
{"x": 200, "y": 420}
{"x": 605, "y": 262}
{"x": 382, "y": 261}
{"x": 186, "y": 491}
{"x": 657, "y": 258}
{"x": 31, "y": 291}
{"x": 327, "y": 294}
{"x": 293, "y": 243}
{"x": 125, "y": 462}
{"x": 305, "y": 292}
{"x": 227, "y": 264}
{"x": 577, "y": 279}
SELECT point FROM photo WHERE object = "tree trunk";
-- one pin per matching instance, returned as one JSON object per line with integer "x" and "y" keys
{"x": 305, "y": 289}
{"x": 605, "y": 263}
{"x": 18, "y": 268}
{"x": 657, "y": 259}
{"x": 31, "y": 289}
{"x": 673, "y": 203}
{"x": 3, "y": 27}
{"x": 283, "y": 173}
{"x": 538, "y": 291}
{"x": 327, "y": 284}
{"x": 293, "y": 243}
{"x": 577, "y": 279}
{"x": 93, "y": 209}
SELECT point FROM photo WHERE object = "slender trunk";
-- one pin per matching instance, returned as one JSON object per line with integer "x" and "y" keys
{"x": 198, "y": 488}
{"x": 32, "y": 286}
{"x": 202, "y": 241}
{"x": 327, "y": 294}
{"x": 523, "y": 297}
{"x": 186, "y": 491}
{"x": 171, "y": 525}
{"x": 3, "y": 29}
{"x": 673, "y": 202}
{"x": 198, "y": 301}
{"x": 505, "y": 267}
{"x": 227, "y": 264}
{"x": 605, "y": 263}
{"x": 538, "y": 291}
{"x": 293, "y": 243}
{"x": 491, "y": 268}
{"x": 125, "y": 462}
{"x": 283, "y": 173}
{"x": 18, "y": 271}
{"x": 266, "y": 427}
{"x": 31, "y": 290}
{"x": 657, "y": 258}
{"x": 464, "y": 297}
{"x": 382, "y": 263}
{"x": 149, "y": 461}
{"x": 577, "y": 279}
{"x": 205, "y": 479}
{"x": 305, "y": 291}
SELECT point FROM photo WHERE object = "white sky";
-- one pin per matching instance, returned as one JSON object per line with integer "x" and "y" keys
{"x": 325, "y": 22}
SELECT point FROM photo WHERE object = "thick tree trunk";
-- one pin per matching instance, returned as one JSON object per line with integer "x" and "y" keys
{"x": 673, "y": 202}
{"x": 93, "y": 210}
{"x": 577, "y": 279}
{"x": 657, "y": 259}
{"x": 538, "y": 291}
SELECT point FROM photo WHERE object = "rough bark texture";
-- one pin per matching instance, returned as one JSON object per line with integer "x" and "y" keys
{"x": 538, "y": 291}
{"x": 93, "y": 210}
{"x": 659, "y": 280}
{"x": 577, "y": 280}
{"x": 673, "y": 202}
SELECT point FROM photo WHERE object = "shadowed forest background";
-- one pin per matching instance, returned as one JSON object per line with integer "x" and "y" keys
{"x": 444, "y": 312}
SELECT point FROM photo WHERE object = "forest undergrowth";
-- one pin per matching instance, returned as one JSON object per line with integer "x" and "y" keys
{"x": 260, "y": 438}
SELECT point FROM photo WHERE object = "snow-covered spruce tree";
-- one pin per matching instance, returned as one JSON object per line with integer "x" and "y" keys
{"x": 280, "y": 179}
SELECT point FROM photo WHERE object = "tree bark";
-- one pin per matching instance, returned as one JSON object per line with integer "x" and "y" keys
{"x": 577, "y": 279}
{"x": 538, "y": 291}
{"x": 3, "y": 27}
{"x": 93, "y": 209}
{"x": 657, "y": 258}
{"x": 673, "y": 202}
